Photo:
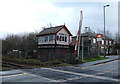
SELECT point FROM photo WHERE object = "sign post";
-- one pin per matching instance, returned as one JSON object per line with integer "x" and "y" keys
{"x": 99, "y": 38}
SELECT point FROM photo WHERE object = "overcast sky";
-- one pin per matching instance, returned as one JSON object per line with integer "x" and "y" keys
{"x": 17, "y": 16}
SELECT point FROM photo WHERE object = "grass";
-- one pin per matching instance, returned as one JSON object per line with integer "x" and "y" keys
{"x": 36, "y": 63}
{"x": 95, "y": 59}
{"x": 33, "y": 62}
{"x": 6, "y": 68}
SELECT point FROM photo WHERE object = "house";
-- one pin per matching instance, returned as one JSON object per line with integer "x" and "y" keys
{"x": 91, "y": 44}
{"x": 53, "y": 40}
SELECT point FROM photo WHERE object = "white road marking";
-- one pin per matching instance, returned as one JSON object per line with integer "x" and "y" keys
{"x": 13, "y": 75}
{"x": 1, "y": 72}
{"x": 51, "y": 80}
{"x": 84, "y": 75}
{"x": 99, "y": 73}
{"x": 69, "y": 79}
{"x": 75, "y": 78}
{"x": 98, "y": 64}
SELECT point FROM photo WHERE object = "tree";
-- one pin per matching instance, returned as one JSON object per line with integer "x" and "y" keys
{"x": 31, "y": 42}
{"x": 107, "y": 33}
{"x": 117, "y": 38}
{"x": 23, "y": 42}
{"x": 10, "y": 42}
{"x": 117, "y": 43}
{"x": 49, "y": 25}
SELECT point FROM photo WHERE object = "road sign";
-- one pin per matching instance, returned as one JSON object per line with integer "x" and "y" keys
{"x": 99, "y": 37}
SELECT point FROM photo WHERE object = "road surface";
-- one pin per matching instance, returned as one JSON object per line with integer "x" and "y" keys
{"x": 105, "y": 72}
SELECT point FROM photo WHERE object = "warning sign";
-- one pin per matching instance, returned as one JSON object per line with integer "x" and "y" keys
{"x": 99, "y": 37}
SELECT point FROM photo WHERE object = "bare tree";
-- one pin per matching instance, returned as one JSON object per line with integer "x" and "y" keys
{"x": 49, "y": 25}
{"x": 107, "y": 33}
{"x": 117, "y": 43}
{"x": 25, "y": 41}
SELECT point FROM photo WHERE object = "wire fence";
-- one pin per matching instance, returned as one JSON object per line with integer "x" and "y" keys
{"x": 52, "y": 56}
{"x": 65, "y": 57}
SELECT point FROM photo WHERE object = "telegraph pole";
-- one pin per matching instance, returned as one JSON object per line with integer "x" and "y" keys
{"x": 82, "y": 48}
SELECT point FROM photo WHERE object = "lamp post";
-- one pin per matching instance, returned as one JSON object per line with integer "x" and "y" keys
{"x": 104, "y": 28}
{"x": 88, "y": 38}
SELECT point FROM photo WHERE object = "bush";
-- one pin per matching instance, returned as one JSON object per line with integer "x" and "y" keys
{"x": 31, "y": 61}
{"x": 96, "y": 56}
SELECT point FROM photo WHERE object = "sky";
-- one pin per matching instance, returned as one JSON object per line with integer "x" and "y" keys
{"x": 119, "y": 18}
{"x": 18, "y": 16}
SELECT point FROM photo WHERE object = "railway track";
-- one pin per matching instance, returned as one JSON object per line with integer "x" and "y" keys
{"x": 14, "y": 65}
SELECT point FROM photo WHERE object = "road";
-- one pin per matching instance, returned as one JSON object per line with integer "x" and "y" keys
{"x": 105, "y": 72}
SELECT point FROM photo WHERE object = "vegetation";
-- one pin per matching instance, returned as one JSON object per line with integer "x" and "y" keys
{"x": 6, "y": 68}
{"x": 36, "y": 62}
{"x": 95, "y": 59}
{"x": 117, "y": 44}
{"x": 25, "y": 42}
{"x": 28, "y": 43}
{"x": 33, "y": 62}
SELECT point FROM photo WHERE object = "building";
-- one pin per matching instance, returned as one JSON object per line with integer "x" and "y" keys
{"x": 92, "y": 46}
{"x": 54, "y": 35}
{"x": 53, "y": 40}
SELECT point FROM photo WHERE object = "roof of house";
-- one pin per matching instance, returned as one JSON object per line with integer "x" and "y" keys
{"x": 53, "y": 30}
{"x": 90, "y": 34}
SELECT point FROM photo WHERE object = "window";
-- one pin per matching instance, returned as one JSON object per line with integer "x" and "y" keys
{"x": 46, "y": 38}
{"x": 110, "y": 42}
{"x": 106, "y": 42}
{"x": 94, "y": 40}
{"x": 51, "y": 37}
{"x": 57, "y": 37}
{"x": 65, "y": 39}
{"x": 62, "y": 38}
{"x": 102, "y": 41}
{"x": 39, "y": 39}
{"x": 43, "y": 38}
{"x": 110, "y": 51}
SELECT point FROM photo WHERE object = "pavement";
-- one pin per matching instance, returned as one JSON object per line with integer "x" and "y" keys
{"x": 111, "y": 58}
{"x": 106, "y": 70}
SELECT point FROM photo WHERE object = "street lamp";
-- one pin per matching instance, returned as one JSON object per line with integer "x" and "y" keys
{"x": 88, "y": 38}
{"x": 104, "y": 28}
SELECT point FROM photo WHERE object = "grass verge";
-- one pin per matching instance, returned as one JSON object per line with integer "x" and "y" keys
{"x": 33, "y": 62}
{"x": 36, "y": 63}
{"x": 95, "y": 59}
{"x": 6, "y": 68}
